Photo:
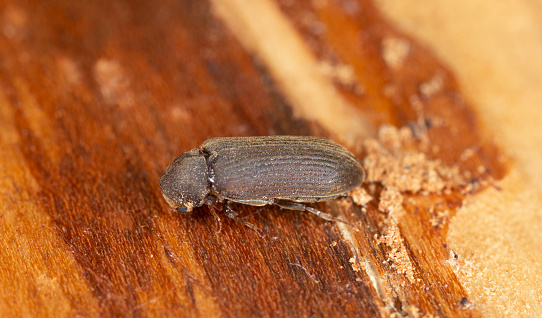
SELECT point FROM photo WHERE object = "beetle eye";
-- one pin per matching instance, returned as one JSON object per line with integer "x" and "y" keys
{"x": 181, "y": 209}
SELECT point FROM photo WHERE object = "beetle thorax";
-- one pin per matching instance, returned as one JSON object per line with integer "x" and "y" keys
{"x": 185, "y": 182}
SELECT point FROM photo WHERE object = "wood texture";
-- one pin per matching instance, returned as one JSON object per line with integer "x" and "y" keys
{"x": 96, "y": 98}
{"x": 494, "y": 51}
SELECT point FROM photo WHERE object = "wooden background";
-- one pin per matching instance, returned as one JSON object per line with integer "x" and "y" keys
{"x": 96, "y": 98}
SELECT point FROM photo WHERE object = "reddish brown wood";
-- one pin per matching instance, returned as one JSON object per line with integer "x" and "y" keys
{"x": 97, "y": 97}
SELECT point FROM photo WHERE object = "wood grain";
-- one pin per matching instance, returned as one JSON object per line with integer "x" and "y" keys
{"x": 96, "y": 98}
{"x": 494, "y": 51}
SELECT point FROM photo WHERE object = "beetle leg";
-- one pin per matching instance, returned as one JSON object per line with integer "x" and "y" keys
{"x": 232, "y": 214}
{"x": 214, "y": 204}
{"x": 213, "y": 209}
{"x": 300, "y": 207}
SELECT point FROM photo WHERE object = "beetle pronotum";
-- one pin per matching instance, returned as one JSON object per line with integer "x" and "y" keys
{"x": 283, "y": 170}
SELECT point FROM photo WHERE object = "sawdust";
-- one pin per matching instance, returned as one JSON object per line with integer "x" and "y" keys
{"x": 394, "y": 161}
{"x": 360, "y": 196}
{"x": 395, "y": 51}
{"x": 397, "y": 254}
{"x": 391, "y": 201}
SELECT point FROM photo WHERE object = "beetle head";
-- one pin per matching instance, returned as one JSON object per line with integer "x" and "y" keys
{"x": 184, "y": 184}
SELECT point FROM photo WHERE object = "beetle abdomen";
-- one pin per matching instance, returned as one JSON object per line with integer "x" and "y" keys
{"x": 302, "y": 169}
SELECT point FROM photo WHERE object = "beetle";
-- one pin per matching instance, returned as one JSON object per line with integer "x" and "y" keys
{"x": 287, "y": 171}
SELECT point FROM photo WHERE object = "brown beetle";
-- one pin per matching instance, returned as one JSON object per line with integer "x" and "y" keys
{"x": 283, "y": 170}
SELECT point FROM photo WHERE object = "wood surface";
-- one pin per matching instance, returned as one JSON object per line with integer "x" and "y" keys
{"x": 97, "y": 98}
{"x": 495, "y": 51}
